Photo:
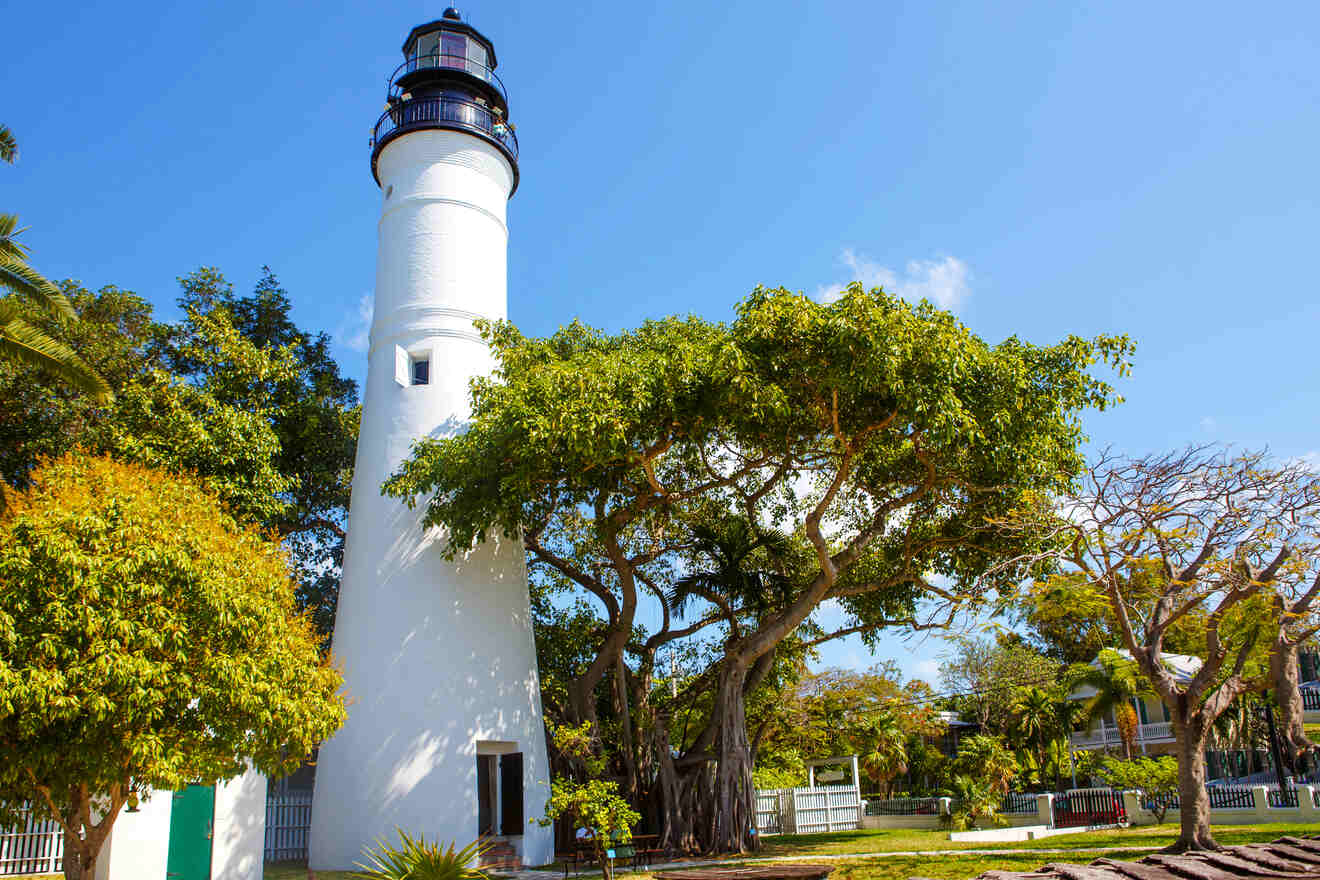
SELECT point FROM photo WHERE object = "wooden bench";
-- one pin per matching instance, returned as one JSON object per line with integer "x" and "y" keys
{"x": 638, "y": 853}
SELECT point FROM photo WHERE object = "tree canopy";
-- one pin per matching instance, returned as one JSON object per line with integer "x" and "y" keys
{"x": 148, "y": 639}
{"x": 233, "y": 394}
{"x": 877, "y": 437}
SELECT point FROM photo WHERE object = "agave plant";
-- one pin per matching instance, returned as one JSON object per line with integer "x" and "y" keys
{"x": 418, "y": 859}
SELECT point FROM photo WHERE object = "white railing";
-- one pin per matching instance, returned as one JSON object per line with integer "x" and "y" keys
{"x": 34, "y": 847}
{"x": 1160, "y": 731}
{"x": 287, "y": 819}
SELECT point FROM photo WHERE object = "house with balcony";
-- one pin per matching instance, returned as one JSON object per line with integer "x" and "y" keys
{"x": 1154, "y": 727}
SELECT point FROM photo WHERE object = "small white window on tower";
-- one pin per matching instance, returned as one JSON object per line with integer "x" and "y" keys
{"x": 411, "y": 368}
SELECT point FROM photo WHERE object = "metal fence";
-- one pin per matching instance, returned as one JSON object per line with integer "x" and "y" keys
{"x": 34, "y": 847}
{"x": 903, "y": 807}
{"x": 1088, "y": 807}
{"x": 1019, "y": 802}
{"x": 1231, "y": 797}
{"x": 1311, "y": 700}
{"x": 1281, "y": 798}
{"x": 807, "y": 810}
{"x": 287, "y": 819}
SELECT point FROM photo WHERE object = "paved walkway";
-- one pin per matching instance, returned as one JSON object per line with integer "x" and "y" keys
{"x": 833, "y": 857}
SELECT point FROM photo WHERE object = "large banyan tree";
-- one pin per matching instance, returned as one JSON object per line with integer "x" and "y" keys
{"x": 857, "y": 451}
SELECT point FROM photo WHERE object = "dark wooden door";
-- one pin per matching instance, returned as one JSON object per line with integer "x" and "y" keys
{"x": 511, "y": 793}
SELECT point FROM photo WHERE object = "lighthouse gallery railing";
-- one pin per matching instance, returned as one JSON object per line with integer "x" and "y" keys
{"x": 445, "y": 112}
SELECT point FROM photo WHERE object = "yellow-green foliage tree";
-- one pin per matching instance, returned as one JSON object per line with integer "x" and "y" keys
{"x": 147, "y": 640}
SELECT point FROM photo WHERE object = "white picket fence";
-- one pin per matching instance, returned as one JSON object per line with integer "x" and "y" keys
{"x": 35, "y": 847}
{"x": 808, "y": 810}
{"x": 287, "y": 819}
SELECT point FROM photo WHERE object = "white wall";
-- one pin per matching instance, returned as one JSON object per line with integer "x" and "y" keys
{"x": 436, "y": 655}
{"x": 240, "y": 828}
{"x": 139, "y": 842}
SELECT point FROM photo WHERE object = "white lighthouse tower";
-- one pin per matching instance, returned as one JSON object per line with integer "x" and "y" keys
{"x": 444, "y": 733}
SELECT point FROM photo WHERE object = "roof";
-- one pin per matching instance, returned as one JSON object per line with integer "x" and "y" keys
{"x": 1183, "y": 666}
{"x": 951, "y": 719}
{"x": 455, "y": 25}
{"x": 1292, "y": 857}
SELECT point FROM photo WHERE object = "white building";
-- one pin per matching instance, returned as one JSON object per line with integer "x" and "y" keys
{"x": 444, "y": 734}
{"x": 1154, "y": 728}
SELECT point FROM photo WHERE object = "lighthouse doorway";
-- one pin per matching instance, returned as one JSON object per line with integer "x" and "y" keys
{"x": 499, "y": 789}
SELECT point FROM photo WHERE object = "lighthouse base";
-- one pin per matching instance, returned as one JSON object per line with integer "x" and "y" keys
{"x": 444, "y": 736}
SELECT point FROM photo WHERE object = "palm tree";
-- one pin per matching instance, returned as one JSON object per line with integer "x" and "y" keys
{"x": 739, "y": 580}
{"x": 1036, "y": 722}
{"x": 1117, "y": 684}
{"x": 886, "y": 759}
{"x": 30, "y": 295}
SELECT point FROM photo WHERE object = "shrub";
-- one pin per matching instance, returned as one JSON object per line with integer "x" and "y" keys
{"x": 416, "y": 859}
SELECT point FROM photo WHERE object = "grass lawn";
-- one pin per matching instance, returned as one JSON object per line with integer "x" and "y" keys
{"x": 297, "y": 871}
{"x": 900, "y": 840}
{"x": 953, "y": 867}
{"x": 1125, "y": 843}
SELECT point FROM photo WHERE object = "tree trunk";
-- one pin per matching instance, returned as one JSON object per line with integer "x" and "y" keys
{"x": 1284, "y": 673}
{"x": 1194, "y": 812}
{"x": 632, "y": 790}
{"x": 675, "y": 820}
{"x": 75, "y": 864}
{"x": 734, "y": 793}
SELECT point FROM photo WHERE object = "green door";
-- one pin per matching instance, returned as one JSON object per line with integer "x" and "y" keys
{"x": 191, "y": 816}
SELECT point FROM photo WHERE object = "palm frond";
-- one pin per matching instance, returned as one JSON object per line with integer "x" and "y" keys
{"x": 22, "y": 279}
{"x": 10, "y": 246}
{"x": 22, "y": 342}
{"x": 8, "y": 145}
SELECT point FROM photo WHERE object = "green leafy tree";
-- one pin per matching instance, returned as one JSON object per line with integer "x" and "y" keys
{"x": 147, "y": 640}
{"x": 987, "y": 676}
{"x": 594, "y": 805}
{"x": 232, "y": 394}
{"x": 1155, "y": 778}
{"x": 855, "y": 427}
{"x": 311, "y": 408}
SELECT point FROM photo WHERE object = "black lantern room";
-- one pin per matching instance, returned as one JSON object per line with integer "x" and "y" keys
{"x": 447, "y": 80}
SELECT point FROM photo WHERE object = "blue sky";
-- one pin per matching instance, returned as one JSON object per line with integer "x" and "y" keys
{"x": 1043, "y": 168}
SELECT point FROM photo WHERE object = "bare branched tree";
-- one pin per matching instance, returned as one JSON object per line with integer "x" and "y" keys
{"x": 1211, "y": 533}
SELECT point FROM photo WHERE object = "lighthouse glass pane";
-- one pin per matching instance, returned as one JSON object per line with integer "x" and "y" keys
{"x": 476, "y": 56}
{"x": 428, "y": 45}
{"x": 453, "y": 50}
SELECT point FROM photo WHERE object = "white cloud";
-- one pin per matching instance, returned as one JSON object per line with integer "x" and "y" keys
{"x": 945, "y": 282}
{"x": 355, "y": 330}
{"x": 1208, "y": 424}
